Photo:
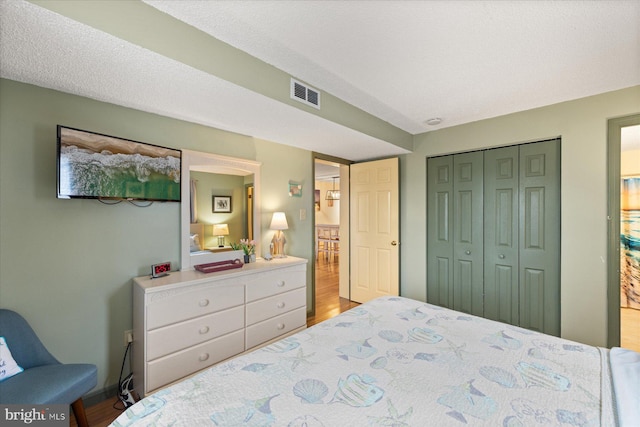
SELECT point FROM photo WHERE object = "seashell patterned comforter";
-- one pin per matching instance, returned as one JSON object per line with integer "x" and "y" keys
{"x": 395, "y": 362}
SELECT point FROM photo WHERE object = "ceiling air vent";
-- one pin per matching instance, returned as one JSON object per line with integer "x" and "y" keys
{"x": 305, "y": 94}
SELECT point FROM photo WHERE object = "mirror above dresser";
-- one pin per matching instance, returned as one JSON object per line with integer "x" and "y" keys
{"x": 197, "y": 162}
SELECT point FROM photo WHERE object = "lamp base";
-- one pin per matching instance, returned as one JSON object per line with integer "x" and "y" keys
{"x": 277, "y": 245}
{"x": 221, "y": 241}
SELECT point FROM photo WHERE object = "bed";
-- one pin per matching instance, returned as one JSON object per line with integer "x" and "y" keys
{"x": 396, "y": 361}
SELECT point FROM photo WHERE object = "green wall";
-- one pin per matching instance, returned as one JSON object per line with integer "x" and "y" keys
{"x": 67, "y": 265}
{"x": 582, "y": 125}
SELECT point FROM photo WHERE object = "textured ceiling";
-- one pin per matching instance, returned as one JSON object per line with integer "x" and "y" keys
{"x": 408, "y": 61}
{"x": 402, "y": 61}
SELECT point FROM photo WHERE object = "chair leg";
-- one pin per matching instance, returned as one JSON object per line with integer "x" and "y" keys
{"x": 79, "y": 413}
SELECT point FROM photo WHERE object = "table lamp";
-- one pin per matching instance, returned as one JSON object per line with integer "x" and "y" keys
{"x": 220, "y": 230}
{"x": 279, "y": 223}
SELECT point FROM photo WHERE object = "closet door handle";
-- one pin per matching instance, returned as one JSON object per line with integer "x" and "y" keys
{"x": 394, "y": 243}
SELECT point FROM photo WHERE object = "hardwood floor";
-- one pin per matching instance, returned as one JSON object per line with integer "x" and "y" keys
{"x": 101, "y": 414}
{"x": 328, "y": 305}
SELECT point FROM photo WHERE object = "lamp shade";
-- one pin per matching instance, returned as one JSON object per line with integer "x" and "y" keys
{"x": 220, "y": 230}
{"x": 279, "y": 221}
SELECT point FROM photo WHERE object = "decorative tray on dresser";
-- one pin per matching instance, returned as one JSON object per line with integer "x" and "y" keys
{"x": 189, "y": 320}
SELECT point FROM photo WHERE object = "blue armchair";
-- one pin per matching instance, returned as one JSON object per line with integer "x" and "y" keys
{"x": 44, "y": 380}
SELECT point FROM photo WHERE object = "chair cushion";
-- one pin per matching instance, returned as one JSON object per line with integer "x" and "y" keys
{"x": 8, "y": 366}
{"x": 49, "y": 384}
{"x": 26, "y": 348}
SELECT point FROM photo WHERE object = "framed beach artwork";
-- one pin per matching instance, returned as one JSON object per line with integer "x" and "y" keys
{"x": 630, "y": 242}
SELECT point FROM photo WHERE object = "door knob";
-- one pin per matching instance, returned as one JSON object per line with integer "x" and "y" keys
{"x": 394, "y": 243}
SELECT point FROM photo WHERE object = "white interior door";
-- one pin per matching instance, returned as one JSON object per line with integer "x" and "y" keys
{"x": 374, "y": 225}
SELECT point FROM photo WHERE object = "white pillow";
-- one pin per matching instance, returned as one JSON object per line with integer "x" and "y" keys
{"x": 8, "y": 366}
{"x": 625, "y": 372}
{"x": 195, "y": 243}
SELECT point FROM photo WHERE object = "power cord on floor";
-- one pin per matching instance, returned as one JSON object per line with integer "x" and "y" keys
{"x": 125, "y": 387}
{"x": 120, "y": 407}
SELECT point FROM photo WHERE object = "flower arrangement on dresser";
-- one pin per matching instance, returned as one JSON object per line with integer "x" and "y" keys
{"x": 248, "y": 247}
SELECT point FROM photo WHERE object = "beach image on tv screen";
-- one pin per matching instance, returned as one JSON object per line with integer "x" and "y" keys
{"x": 93, "y": 165}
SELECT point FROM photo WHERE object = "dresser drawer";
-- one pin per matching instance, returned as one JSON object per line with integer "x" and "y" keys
{"x": 167, "y": 369}
{"x": 172, "y": 338}
{"x": 188, "y": 305}
{"x": 272, "y": 328}
{"x": 266, "y": 308}
{"x": 276, "y": 282}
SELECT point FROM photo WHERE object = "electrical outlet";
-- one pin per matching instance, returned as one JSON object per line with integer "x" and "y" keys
{"x": 303, "y": 214}
{"x": 128, "y": 337}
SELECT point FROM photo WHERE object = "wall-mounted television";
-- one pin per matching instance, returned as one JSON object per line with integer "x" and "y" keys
{"x": 97, "y": 166}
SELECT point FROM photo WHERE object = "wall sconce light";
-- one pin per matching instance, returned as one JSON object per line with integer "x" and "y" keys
{"x": 220, "y": 230}
{"x": 279, "y": 223}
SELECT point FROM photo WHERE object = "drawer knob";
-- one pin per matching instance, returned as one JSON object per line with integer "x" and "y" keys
{"x": 281, "y": 305}
{"x": 280, "y": 326}
{"x": 281, "y": 283}
{"x": 204, "y": 356}
{"x": 204, "y": 303}
{"x": 204, "y": 330}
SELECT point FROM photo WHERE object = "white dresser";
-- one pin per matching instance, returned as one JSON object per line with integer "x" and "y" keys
{"x": 189, "y": 320}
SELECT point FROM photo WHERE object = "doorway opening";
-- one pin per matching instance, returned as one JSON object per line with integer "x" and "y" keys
{"x": 624, "y": 232}
{"x": 331, "y": 231}
{"x": 248, "y": 220}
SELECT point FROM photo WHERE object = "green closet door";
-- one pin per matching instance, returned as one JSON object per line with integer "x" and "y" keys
{"x": 468, "y": 233}
{"x": 439, "y": 232}
{"x": 493, "y": 234}
{"x": 501, "y": 247}
{"x": 539, "y": 190}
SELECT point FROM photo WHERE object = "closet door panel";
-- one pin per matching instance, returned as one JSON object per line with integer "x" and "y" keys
{"x": 440, "y": 288}
{"x": 494, "y": 234}
{"x": 463, "y": 298}
{"x": 501, "y": 212}
{"x": 540, "y": 236}
{"x": 534, "y": 218}
{"x": 503, "y": 305}
{"x": 439, "y": 231}
{"x": 468, "y": 290}
{"x": 533, "y": 287}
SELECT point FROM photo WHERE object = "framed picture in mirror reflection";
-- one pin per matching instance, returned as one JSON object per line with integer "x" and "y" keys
{"x": 221, "y": 204}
